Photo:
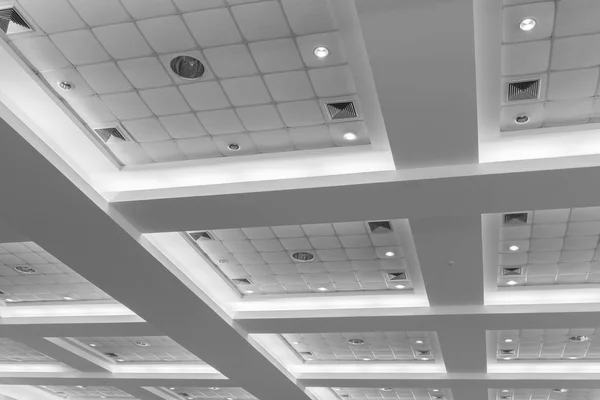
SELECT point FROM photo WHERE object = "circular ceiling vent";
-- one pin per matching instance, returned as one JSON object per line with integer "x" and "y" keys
{"x": 187, "y": 67}
{"x": 579, "y": 339}
{"x": 356, "y": 342}
{"x": 24, "y": 269}
{"x": 66, "y": 86}
{"x": 141, "y": 343}
{"x": 303, "y": 256}
{"x": 522, "y": 119}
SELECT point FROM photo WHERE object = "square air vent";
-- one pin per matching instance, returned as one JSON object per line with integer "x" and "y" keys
{"x": 380, "y": 227}
{"x": 423, "y": 353}
{"x": 111, "y": 135}
{"x": 306, "y": 354}
{"x": 523, "y": 90}
{"x": 242, "y": 281}
{"x": 510, "y": 352}
{"x": 341, "y": 110}
{"x": 397, "y": 276}
{"x": 111, "y": 355}
{"x": 518, "y": 218}
{"x": 12, "y": 22}
{"x": 200, "y": 236}
{"x": 516, "y": 271}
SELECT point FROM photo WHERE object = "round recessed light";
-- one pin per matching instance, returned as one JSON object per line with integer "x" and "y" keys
{"x": 436, "y": 390}
{"x": 249, "y": 291}
{"x": 508, "y": 340}
{"x": 322, "y": 289}
{"x": 507, "y": 358}
{"x": 527, "y": 24}
{"x": 120, "y": 360}
{"x": 66, "y": 86}
{"x": 385, "y": 389}
{"x": 141, "y": 343}
{"x": 80, "y": 387}
{"x": 419, "y": 341}
{"x": 511, "y": 283}
{"x": 68, "y": 298}
{"x": 234, "y": 147}
{"x": 562, "y": 390}
{"x": 522, "y": 119}
{"x": 93, "y": 345}
{"x": 321, "y": 51}
{"x": 350, "y": 136}
{"x": 514, "y": 247}
{"x": 214, "y": 388}
{"x": 295, "y": 342}
{"x": 424, "y": 358}
{"x": 356, "y": 342}
{"x": 505, "y": 390}
{"x": 400, "y": 286}
{"x": 572, "y": 358}
{"x": 171, "y": 388}
{"x": 303, "y": 256}
{"x": 579, "y": 339}
{"x": 102, "y": 397}
{"x": 366, "y": 359}
{"x": 223, "y": 261}
{"x": 25, "y": 269}
{"x": 10, "y": 300}
{"x": 187, "y": 67}
{"x": 390, "y": 254}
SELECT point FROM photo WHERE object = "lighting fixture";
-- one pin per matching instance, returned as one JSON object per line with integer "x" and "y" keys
{"x": 511, "y": 283}
{"x": 350, "y": 136}
{"x": 385, "y": 389}
{"x": 322, "y": 289}
{"x": 187, "y": 67}
{"x": 424, "y": 358}
{"x": 514, "y": 247}
{"x": 366, "y": 359}
{"x": 10, "y": 300}
{"x": 234, "y": 147}
{"x": 572, "y": 358}
{"x": 80, "y": 387}
{"x": 390, "y": 254}
{"x": 436, "y": 390}
{"x": 562, "y": 390}
{"x": 507, "y": 358}
{"x": 579, "y": 339}
{"x": 303, "y": 256}
{"x": 66, "y": 86}
{"x": 419, "y": 341}
{"x": 141, "y": 343}
{"x": 522, "y": 119}
{"x": 93, "y": 345}
{"x": 25, "y": 269}
{"x": 505, "y": 390}
{"x": 223, "y": 261}
{"x": 249, "y": 291}
{"x": 400, "y": 287}
{"x": 527, "y": 24}
{"x": 295, "y": 342}
{"x": 214, "y": 388}
{"x": 356, "y": 342}
{"x": 321, "y": 51}
{"x": 171, "y": 388}
{"x": 508, "y": 340}
{"x": 67, "y": 298}
{"x": 120, "y": 360}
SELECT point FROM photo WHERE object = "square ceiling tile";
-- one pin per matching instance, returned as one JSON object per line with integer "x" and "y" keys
{"x": 195, "y": 148}
{"x": 512, "y": 16}
{"x": 230, "y": 61}
{"x": 146, "y": 130}
{"x": 534, "y": 111}
{"x": 246, "y": 91}
{"x": 122, "y": 40}
{"x": 276, "y": 55}
{"x": 576, "y": 52}
{"x": 289, "y": 86}
{"x": 311, "y": 137}
{"x": 213, "y": 27}
{"x": 165, "y": 101}
{"x": 53, "y": 16}
{"x": 359, "y": 128}
{"x": 80, "y": 47}
{"x": 220, "y": 122}
{"x": 166, "y": 59}
{"x": 261, "y": 21}
{"x": 301, "y": 113}
{"x": 92, "y": 110}
{"x": 573, "y": 84}
{"x": 126, "y": 105}
{"x": 54, "y": 77}
{"x": 576, "y": 17}
{"x": 567, "y": 112}
{"x": 167, "y": 34}
{"x": 333, "y": 42}
{"x": 164, "y": 151}
{"x": 145, "y": 73}
{"x": 243, "y": 140}
{"x": 140, "y": 9}
{"x": 105, "y": 78}
{"x": 129, "y": 153}
{"x": 260, "y": 118}
{"x": 97, "y": 13}
{"x": 183, "y": 126}
{"x": 332, "y": 81}
{"x": 272, "y": 141}
{"x": 596, "y": 110}
{"x": 309, "y": 16}
{"x": 42, "y": 53}
{"x": 525, "y": 58}
{"x": 205, "y": 96}
{"x": 194, "y": 5}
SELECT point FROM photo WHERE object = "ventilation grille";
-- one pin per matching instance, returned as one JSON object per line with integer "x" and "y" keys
{"x": 397, "y": 276}
{"x": 423, "y": 353}
{"x": 306, "y": 354}
{"x": 183, "y": 394}
{"x": 110, "y": 135}
{"x": 524, "y": 90}
{"x": 507, "y": 352}
{"x": 200, "y": 236}
{"x": 341, "y": 110}
{"x": 111, "y": 355}
{"x": 380, "y": 226}
{"x": 12, "y": 22}
{"x": 242, "y": 281}
{"x": 520, "y": 218}
{"x": 512, "y": 271}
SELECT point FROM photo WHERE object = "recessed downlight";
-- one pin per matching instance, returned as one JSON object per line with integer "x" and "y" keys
{"x": 424, "y": 358}
{"x": 436, "y": 390}
{"x": 366, "y": 359}
{"x": 322, "y": 289}
{"x": 187, "y": 67}
{"x": 522, "y": 119}
{"x": 505, "y": 390}
{"x": 573, "y": 358}
{"x": 390, "y": 254}
{"x": 321, "y": 51}
{"x": 419, "y": 341}
{"x": 214, "y": 388}
{"x": 507, "y": 358}
{"x": 234, "y": 147}
{"x": 385, "y": 389}
{"x": 527, "y": 24}
{"x": 120, "y": 360}
{"x": 508, "y": 340}
{"x": 579, "y": 339}
{"x": 66, "y": 86}
{"x": 400, "y": 286}
{"x": 295, "y": 342}
{"x": 10, "y": 300}
{"x": 303, "y": 256}
{"x": 249, "y": 291}
{"x": 356, "y": 342}
{"x": 350, "y": 136}
{"x": 25, "y": 269}
{"x": 512, "y": 283}
{"x": 93, "y": 345}
{"x": 68, "y": 298}
{"x": 80, "y": 387}
{"x": 171, "y": 388}
{"x": 142, "y": 343}
{"x": 562, "y": 390}
{"x": 514, "y": 247}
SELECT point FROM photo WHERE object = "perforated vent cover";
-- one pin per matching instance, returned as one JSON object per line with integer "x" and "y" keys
{"x": 524, "y": 90}
{"x": 342, "y": 110}
{"x": 110, "y": 135}
{"x": 12, "y": 22}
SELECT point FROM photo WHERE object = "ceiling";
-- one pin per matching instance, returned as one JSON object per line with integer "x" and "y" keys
{"x": 224, "y": 238}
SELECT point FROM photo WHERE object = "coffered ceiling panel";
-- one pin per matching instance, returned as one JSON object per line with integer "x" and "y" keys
{"x": 210, "y": 393}
{"x": 392, "y": 393}
{"x": 261, "y": 89}
{"x": 92, "y": 392}
{"x": 12, "y": 351}
{"x": 547, "y": 394}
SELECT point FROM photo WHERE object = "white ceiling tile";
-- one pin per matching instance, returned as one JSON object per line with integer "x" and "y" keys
{"x": 576, "y": 52}
{"x": 144, "y": 73}
{"x": 549, "y": 230}
{"x": 166, "y": 59}
{"x": 238, "y": 2}
{"x": 512, "y": 16}
{"x": 42, "y": 53}
{"x": 167, "y": 34}
{"x": 164, "y": 151}
{"x": 126, "y": 105}
{"x": 332, "y": 81}
{"x": 220, "y": 122}
{"x": 333, "y": 42}
{"x": 567, "y": 112}
{"x": 289, "y": 86}
{"x": 276, "y": 55}
{"x": 122, "y": 40}
{"x": 576, "y": 17}
{"x": 165, "y": 101}
{"x": 129, "y": 153}
{"x": 551, "y": 216}
{"x": 53, "y": 16}
{"x": 246, "y": 91}
{"x": 80, "y": 47}
{"x": 146, "y": 130}
{"x": 311, "y": 137}
{"x": 92, "y": 110}
{"x": 359, "y": 128}
{"x": 241, "y": 139}
{"x": 309, "y": 16}
{"x": 272, "y": 141}
{"x": 515, "y": 2}
{"x": 258, "y": 233}
{"x": 194, "y": 5}
{"x": 230, "y": 61}
{"x": 573, "y": 84}
{"x": 267, "y": 245}
{"x": 301, "y": 113}
{"x": 183, "y": 126}
{"x": 260, "y": 118}
{"x": 195, "y": 148}
{"x": 54, "y": 77}
{"x": 105, "y": 78}
{"x": 525, "y": 58}
{"x": 596, "y": 110}
{"x": 140, "y": 9}
{"x": 205, "y": 96}
{"x": 100, "y": 13}
{"x": 213, "y": 27}
{"x": 535, "y": 112}
{"x": 261, "y": 21}
{"x": 350, "y": 228}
